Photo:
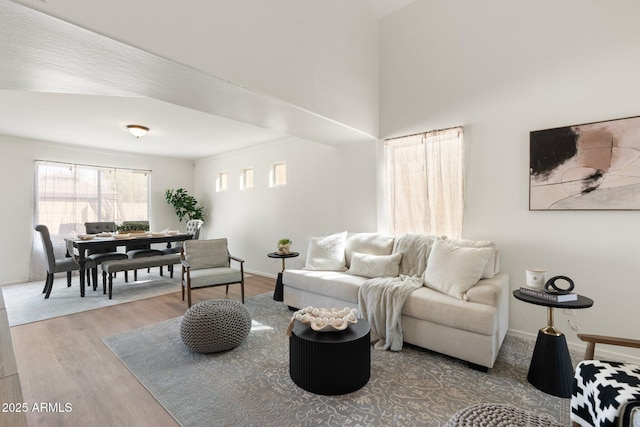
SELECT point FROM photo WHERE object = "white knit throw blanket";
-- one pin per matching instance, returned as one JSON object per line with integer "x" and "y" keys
{"x": 381, "y": 299}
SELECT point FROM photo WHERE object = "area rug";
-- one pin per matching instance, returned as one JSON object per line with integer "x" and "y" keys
{"x": 25, "y": 302}
{"x": 250, "y": 385}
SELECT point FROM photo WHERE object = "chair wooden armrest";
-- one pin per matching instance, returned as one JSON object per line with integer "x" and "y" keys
{"x": 185, "y": 263}
{"x": 592, "y": 340}
{"x": 236, "y": 259}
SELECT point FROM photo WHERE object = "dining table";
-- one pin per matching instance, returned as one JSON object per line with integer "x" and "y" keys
{"x": 95, "y": 243}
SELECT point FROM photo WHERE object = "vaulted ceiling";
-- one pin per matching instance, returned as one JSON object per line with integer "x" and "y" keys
{"x": 64, "y": 84}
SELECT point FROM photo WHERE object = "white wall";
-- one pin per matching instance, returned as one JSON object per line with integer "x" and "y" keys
{"x": 319, "y": 55}
{"x": 17, "y": 192}
{"x": 502, "y": 69}
{"x": 314, "y": 202}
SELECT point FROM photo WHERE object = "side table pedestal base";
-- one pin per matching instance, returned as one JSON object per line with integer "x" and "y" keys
{"x": 278, "y": 293}
{"x": 550, "y": 370}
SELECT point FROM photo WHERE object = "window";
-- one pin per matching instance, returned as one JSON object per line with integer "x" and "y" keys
{"x": 221, "y": 182}
{"x": 425, "y": 183}
{"x": 246, "y": 179}
{"x": 68, "y": 195}
{"x": 278, "y": 176}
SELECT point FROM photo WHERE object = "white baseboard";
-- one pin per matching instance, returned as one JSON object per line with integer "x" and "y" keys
{"x": 601, "y": 353}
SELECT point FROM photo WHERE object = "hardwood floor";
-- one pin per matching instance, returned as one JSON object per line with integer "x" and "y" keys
{"x": 64, "y": 364}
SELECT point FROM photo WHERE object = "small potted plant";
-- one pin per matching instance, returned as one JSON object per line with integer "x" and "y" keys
{"x": 133, "y": 227}
{"x": 284, "y": 246}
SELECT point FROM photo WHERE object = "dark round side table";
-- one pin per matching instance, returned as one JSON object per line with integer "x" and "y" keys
{"x": 330, "y": 363}
{"x": 278, "y": 293}
{"x": 551, "y": 370}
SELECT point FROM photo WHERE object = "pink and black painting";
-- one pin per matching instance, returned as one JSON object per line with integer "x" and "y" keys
{"x": 593, "y": 166}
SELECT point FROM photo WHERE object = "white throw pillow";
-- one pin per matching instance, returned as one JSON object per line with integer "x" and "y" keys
{"x": 453, "y": 270}
{"x": 326, "y": 253}
{"x": 368, "y": 243}
{"x": 492, "y": 268}
{"x": 367, "y": 265}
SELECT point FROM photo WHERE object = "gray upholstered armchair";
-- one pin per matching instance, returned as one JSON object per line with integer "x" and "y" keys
{"x": 207, "y": 263}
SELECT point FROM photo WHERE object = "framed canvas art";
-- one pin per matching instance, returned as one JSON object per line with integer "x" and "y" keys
{"x": 593, "y": 166}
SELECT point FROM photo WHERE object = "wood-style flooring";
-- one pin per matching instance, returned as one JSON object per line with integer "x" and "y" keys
{"x": 66, "y": 369}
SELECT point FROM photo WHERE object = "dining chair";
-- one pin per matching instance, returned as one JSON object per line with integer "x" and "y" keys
{"x": 141, "y": 250}
{"x": 193, "y": 228}
{"x": 54, "y": 265}
{"x": 207, "y": 263}
{"x": 98, "y": 256}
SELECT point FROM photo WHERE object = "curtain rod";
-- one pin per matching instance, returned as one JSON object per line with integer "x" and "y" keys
{"x": 423, "y": 133}
{"x": 94, "y": 166}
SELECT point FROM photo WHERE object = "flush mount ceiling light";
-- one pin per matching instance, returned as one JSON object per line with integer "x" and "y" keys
{"x": 137, "y": 130}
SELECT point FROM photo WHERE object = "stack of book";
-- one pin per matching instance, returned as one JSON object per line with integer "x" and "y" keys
{"x": 548, "y": 296}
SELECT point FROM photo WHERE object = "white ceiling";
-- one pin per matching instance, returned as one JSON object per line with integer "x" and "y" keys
{"x": 61, "y": 87}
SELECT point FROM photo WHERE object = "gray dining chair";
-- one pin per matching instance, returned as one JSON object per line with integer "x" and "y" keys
{"x": 54, "y": 265}
{"x": 98, "y": 256}
{"x": 207, "y": 263}
{"x": 141, "y": 250}
{"x": 193, "y": 228}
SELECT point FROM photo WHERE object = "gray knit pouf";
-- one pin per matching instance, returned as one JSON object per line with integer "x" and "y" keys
{"x": 495, "y": 415}
{"x": 215, "y": 325}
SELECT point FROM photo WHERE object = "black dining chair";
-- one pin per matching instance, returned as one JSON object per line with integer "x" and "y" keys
{"x": 54, "y": 265}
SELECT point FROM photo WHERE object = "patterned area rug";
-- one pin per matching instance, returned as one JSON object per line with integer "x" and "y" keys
{"x": 25, "y": 302}
{"x": 250, "y": 385}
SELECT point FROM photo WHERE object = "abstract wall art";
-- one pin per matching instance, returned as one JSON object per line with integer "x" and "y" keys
{"x": 593, "y": 166}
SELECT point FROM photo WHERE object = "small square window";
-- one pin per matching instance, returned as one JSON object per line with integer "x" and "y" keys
{"x": 246, "y": 178}
{"x": 221, "y": 182}
{"x": 278, "y": 174}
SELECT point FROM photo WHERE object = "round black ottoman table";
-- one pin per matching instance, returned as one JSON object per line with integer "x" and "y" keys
{"x": 330, "y": 363}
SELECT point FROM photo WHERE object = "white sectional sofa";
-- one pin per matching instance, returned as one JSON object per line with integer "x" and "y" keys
{"x": 461, "y": 309}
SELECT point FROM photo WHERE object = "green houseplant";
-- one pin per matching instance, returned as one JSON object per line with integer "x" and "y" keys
{"x": 185, "y": 205}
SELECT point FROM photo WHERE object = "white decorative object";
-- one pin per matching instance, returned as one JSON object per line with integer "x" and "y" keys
{"x": 535, "y": 278}
{"x": 324, "y": 319}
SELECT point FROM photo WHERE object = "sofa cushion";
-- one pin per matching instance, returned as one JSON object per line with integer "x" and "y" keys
{"x": 367, "y": 265}
{"x": 335, "y": 284}
{"x": 436, "y": 307}
{"x": 326, "y": 253}
{"x": 453, "y": 270}
{"x": 368, "y": 243}
{"x": 492, "y": 268}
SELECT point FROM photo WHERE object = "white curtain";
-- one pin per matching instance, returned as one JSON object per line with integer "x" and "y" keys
{"x": 425, "y": 183}
{"x": 68, "y": 195}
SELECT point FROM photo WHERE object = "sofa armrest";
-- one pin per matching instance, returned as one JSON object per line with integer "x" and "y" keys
{"x": 489, "y": 291}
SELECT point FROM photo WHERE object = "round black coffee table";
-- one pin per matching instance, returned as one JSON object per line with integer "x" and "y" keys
{"x": 330, "y": 363}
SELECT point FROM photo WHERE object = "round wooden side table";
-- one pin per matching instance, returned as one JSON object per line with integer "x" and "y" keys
{"x": 278, "y": 293}
{"x": 551, "y": 370}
